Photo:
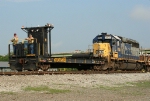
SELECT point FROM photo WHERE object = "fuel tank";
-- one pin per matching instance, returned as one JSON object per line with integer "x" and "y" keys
{"x": 130, "y": 66}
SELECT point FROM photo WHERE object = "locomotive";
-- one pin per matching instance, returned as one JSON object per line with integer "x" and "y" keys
{"x": 109, "y": 52}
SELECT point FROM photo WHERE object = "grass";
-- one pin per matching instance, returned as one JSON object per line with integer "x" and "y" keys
{"x": 139, "y": 84}
{"x": 59, "y": 84}
{"x": 142, "y": 84}
{"x": 129, "y": 88}
{"x": 123, "y": 90}
{"x": 45, "y": 89}
{"x": 110, "y": 88}
{"x": 8, "y": 93}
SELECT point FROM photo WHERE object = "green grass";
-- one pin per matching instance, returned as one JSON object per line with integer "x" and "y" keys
{"x": 58, "y": 84}
{"x": 142, "y": 84}
{"x": 8, "y": 93}
{"x": 139, "y": 84}
{"x": 123, "y": 90}
{"x": 131, "y": 92}
{"x": 45, "y": 89}
{"x": 110, "y": 88}
{"x": 129, "y": 88}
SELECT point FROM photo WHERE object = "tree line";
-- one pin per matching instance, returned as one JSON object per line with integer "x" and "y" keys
{"x": 4, "y": 57}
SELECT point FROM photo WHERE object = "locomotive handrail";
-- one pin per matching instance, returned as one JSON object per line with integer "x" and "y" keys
{"x": 19, "y": 41}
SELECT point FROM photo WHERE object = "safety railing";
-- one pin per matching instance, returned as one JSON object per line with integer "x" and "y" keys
{"x": 22, "y": 48}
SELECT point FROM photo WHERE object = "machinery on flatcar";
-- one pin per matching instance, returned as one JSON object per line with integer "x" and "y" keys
{"x": 109, "y": 52}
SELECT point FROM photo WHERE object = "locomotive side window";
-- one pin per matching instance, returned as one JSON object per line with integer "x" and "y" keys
{"x": 113, "y": 41}
{"x": 118, "y": 43}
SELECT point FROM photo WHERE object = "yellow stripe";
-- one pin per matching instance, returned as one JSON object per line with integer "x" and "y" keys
{"x": 60, "y": 59}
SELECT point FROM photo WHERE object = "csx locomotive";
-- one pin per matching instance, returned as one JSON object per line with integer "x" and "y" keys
{"x": 109, "y": 52}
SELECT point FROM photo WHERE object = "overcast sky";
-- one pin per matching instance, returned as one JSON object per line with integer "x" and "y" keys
{"x": 76, "y": 22}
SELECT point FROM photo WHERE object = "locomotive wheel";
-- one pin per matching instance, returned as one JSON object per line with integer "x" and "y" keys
{"x": 101, "y": 67}
{"x": 111, "y": 67}
{"x": 116, "y": 67}
{"x": 144, "y": 69}
{"x": 138, "y": 66}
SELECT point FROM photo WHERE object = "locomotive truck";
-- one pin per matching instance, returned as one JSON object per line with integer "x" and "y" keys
{"x": 109, "y": 52}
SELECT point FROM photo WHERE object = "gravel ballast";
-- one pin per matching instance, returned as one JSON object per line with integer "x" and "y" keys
{"x": 68, "y": 81}
{"x": 87, "y": 87}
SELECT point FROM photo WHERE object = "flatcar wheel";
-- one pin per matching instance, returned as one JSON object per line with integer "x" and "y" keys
{"x": 143, "y": 70}
{"x": 44, "y": 67}
{"x": 148, "y": 69}
{"x": 97, "y": 67}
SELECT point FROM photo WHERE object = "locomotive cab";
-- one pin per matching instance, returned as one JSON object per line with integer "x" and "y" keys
{"x": 102, "y": 45}
{"x": 101, "y": 50}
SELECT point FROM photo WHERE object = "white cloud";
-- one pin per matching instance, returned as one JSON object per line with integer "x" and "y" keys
{"x": 141, "y": 13}
{"x": 22, "y": 0}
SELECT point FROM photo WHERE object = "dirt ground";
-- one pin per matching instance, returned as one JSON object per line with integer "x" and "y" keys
{"x": 82, "y": 94}
{"x": 123, "y": 87}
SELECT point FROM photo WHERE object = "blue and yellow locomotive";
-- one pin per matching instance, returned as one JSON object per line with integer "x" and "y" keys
{"x": 119, "y": 52}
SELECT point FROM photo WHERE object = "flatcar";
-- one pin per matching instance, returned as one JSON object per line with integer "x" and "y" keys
{"x": 109, "y": 52}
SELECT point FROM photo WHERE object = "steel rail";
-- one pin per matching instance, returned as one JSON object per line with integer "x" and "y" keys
{"x": 64, "y": 72}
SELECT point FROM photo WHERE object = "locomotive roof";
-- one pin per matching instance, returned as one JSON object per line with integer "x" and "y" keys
{"x": 123, "y": 39}
{"x": 128, "y": 40}
{"x": 120, "y": 38}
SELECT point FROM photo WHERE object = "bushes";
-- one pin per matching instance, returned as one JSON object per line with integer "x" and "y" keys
{"x": 4, "y": 57}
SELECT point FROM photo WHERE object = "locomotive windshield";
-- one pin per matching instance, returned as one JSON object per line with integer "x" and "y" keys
{"x": 103, "y": 39}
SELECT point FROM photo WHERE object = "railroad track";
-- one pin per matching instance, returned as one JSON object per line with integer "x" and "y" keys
{"x": 64, "y": 72}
